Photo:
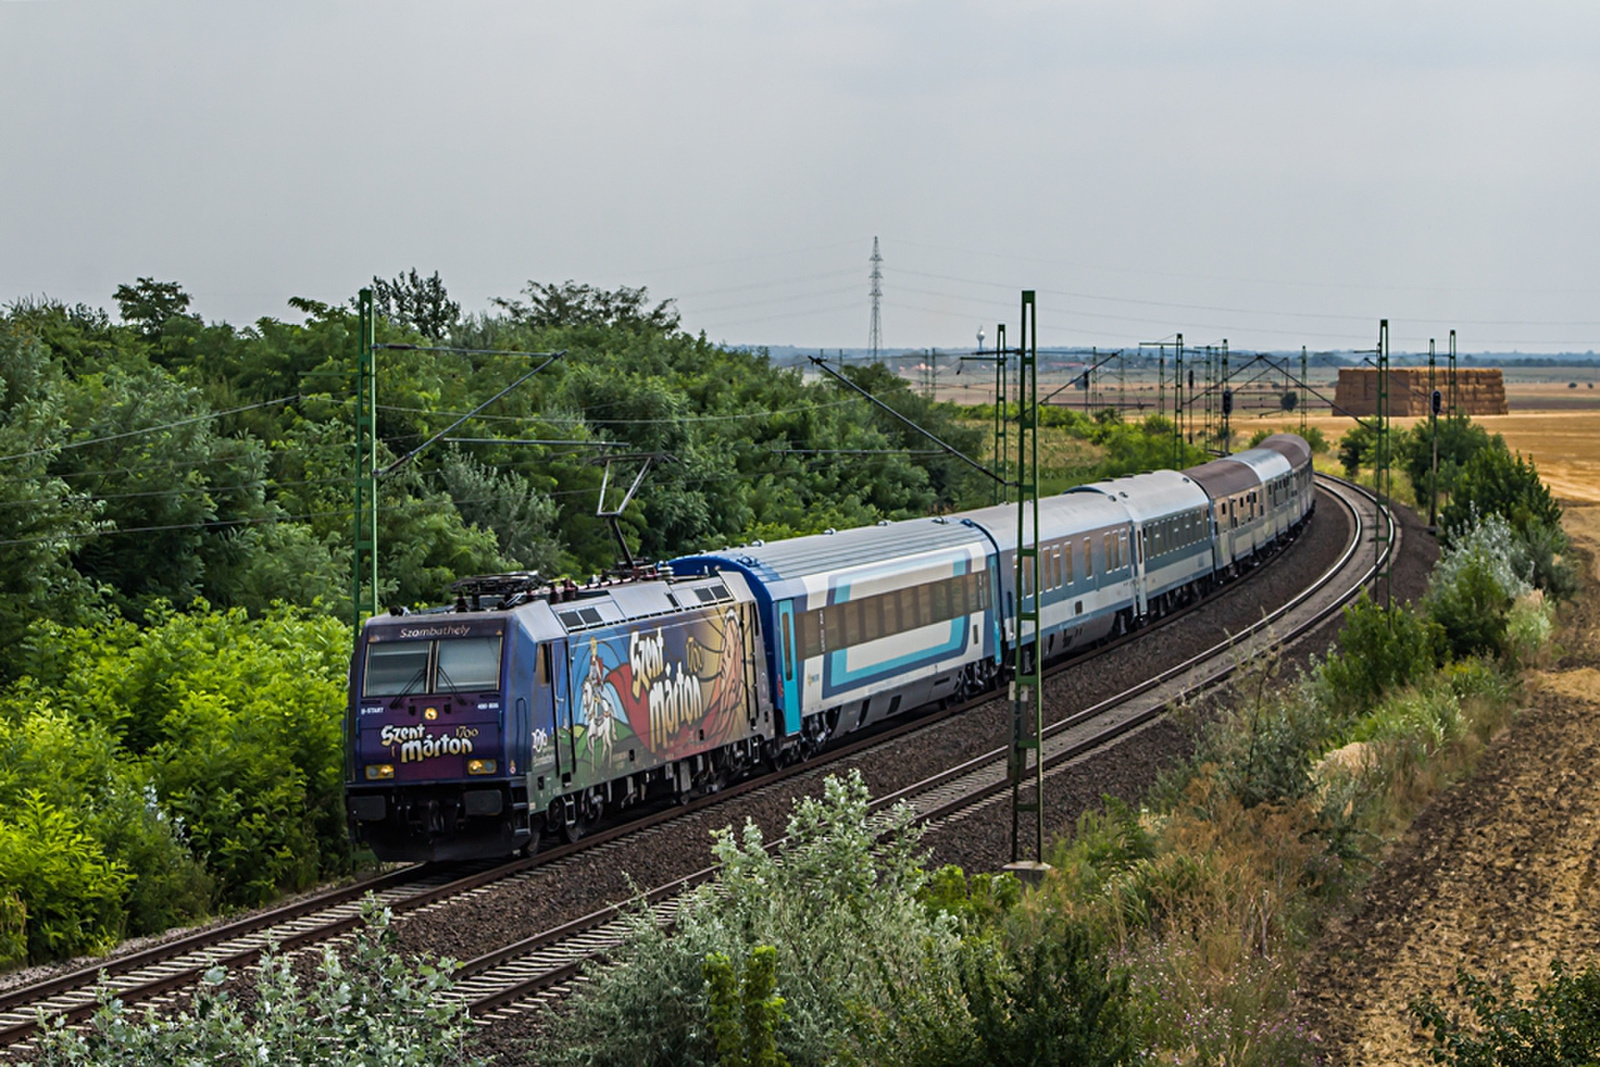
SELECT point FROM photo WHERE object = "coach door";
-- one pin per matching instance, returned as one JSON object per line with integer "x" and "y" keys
{"x": 788, "y": 667}
{"x": 1138, "y": 569}
{"x": 561, "y": 711}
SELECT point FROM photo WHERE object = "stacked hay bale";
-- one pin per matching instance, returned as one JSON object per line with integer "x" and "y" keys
{"x": 1478, "y": 391}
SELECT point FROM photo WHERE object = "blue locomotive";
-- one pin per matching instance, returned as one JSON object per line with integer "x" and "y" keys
{"x": 529, "y": 708}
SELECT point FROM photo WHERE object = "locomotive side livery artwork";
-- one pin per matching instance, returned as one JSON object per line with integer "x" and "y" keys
{"x": 666, "y": 690}
{"x": 530, "y": 707}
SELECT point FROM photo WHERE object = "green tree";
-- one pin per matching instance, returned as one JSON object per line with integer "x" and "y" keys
{"x": 1473, "y": 585}
{"x": 1380, "y": 649}
{"x": 1357, "y": 448}
{"x": 1496, "y": 482}
{"x": 237, "y": 721}
{"x": 569, "y": 303}
{"x": 522, "y": 518}
{"x": 71, "y": 893}
{"x": 42, "y": 518}
{"x": 149, "y": 305}
{"x": 415, "y": 303}
{"x": 837, "y": 905}
{"x": 1459, "y": 440}
{"x": 746, "y": 1009}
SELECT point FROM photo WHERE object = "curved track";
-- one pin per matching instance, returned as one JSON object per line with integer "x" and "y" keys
{"x": 513, "y": 977}
{"x": 538, "y": 969}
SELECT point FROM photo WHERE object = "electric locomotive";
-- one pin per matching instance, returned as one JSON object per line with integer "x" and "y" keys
{"x": 528, "y": 707}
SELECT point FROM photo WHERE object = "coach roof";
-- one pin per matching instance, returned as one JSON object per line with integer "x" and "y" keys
{"x": 802, "y": 557}
{"x": 1225, "y": 477}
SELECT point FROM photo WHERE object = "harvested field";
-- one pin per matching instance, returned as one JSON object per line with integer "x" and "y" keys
{"x": 1500, "y": 875}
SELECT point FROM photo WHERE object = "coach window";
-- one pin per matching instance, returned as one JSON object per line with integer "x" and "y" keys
{"x": 810, "y": 624}
{"x": 788, "y": 651}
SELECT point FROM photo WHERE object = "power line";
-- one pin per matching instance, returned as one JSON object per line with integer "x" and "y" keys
{"x": 149, "y": 429}
{"x": 265, "y": 483}
{"x": 581, "y": 421}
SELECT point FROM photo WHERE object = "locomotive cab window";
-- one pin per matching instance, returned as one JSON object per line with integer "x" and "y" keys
{"x": 468, "y": 665}
{"x": 394, "y": 670}
{"x": 453, "y": 665}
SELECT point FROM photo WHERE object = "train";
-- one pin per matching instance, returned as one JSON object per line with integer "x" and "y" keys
{"x": 528, "y": 708}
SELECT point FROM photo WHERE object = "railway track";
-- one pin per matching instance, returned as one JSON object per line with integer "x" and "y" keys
{"x": 538, "y": 969}
{"x": 512, "y": 977}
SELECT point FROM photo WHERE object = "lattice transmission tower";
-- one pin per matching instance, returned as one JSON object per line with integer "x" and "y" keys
{"x": 875, "y": 340}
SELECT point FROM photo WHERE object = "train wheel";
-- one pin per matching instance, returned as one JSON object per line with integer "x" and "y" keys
{"x": 579, "y": 816}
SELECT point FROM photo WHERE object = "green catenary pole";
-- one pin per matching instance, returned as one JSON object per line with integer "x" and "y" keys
{"x": 365, "y": 554}
{"x": 1383, "y": 532}
{"x": 1452, "y": 374}
{"x": 1027, "y": 697}
{"x": 1433, "y": 433}
{"x": 1305, "y": 388}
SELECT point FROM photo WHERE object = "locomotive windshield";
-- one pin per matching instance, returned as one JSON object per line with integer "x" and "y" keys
{"x": 468, "y": 665}
{"x": 451, "y": 665}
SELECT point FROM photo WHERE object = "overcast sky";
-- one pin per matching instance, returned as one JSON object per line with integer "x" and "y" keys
{"x": 1276, "y": 174}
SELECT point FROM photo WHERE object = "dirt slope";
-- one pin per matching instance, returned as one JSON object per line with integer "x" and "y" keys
{"x": 1500, "y": 875}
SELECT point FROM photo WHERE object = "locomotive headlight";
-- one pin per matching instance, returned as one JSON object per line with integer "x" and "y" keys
{"x": 481, "y": 766}
{"x": 378, "y": 772}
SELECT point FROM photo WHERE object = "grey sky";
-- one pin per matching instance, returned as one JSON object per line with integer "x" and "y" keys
{"x": 1275, "y": 174}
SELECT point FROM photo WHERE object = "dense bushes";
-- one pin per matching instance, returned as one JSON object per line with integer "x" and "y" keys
{"x": 838, "y": 947}
{"x": 1108, "y": 445}
{"x": 149, "y": 776}
{"x": 368, "y": 1007}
